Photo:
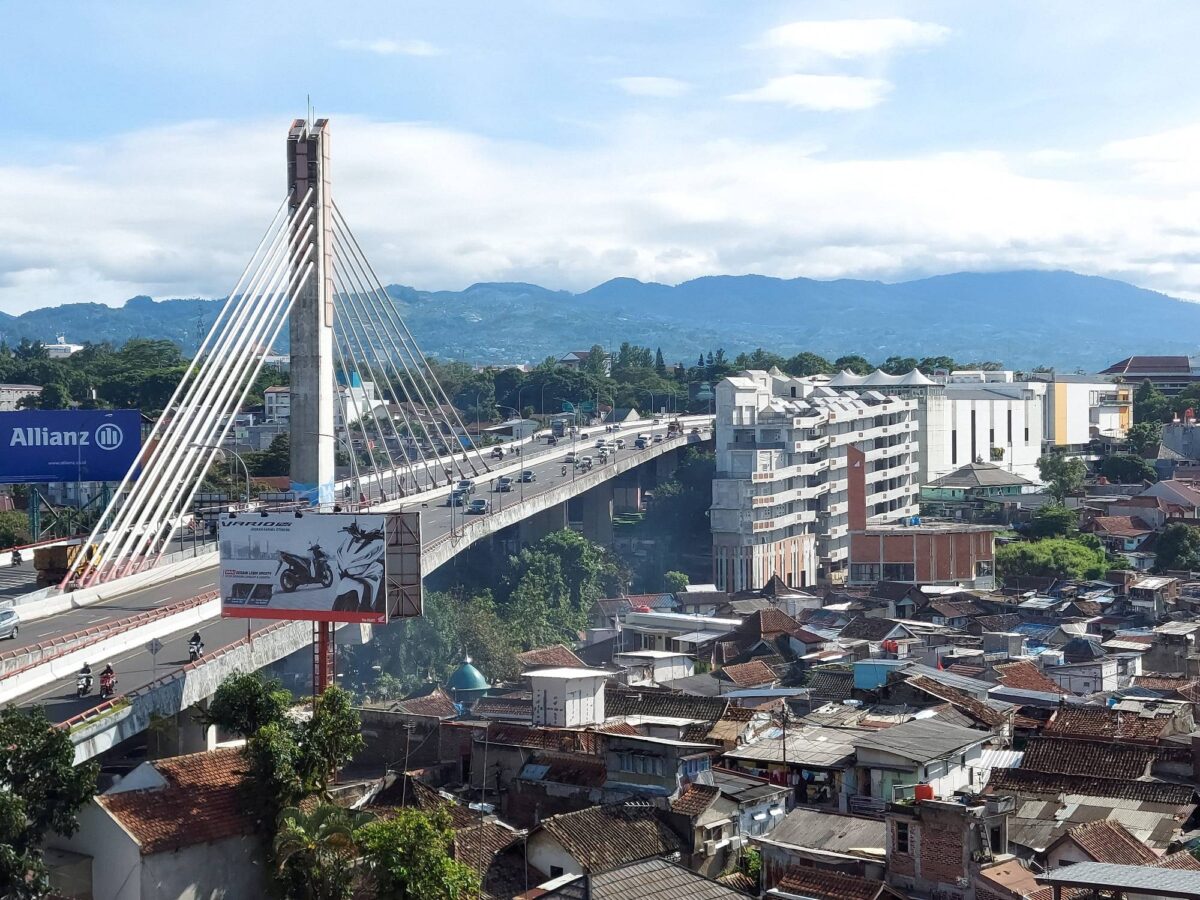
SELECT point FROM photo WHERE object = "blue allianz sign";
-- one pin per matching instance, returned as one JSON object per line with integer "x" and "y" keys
{"x": 68, "y": 444}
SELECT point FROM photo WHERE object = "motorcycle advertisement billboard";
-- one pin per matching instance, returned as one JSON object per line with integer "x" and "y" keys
{"x": 44, "y": 445}
{"x": 320, "y": 567}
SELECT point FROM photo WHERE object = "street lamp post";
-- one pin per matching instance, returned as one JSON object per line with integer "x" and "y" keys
{"x": 236, "y": 456}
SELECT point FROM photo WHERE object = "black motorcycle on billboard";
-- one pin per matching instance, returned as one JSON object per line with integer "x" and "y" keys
{"x": 360, "y": 568}
{"x": 297, "y": 571}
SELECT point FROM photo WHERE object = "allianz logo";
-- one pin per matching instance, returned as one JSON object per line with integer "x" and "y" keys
{"x": 107, "y": 437}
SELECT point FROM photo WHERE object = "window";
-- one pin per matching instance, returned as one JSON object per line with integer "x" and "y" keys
{"x": 898, "y": 572}
{"x": 954, "y": 447}
{"x": 556, "y": 872}
{"x": 902, "y": 837}
{"x": 973, "y": 453}
{"x": 983, "y": 568}
{"x": 1010, "y": 426}
{"x": 864, "y": 572}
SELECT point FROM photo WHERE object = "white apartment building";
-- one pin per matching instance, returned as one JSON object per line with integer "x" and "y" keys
{"x": 1082, "y": 408}
{"x": 967, "y": 416}
{"x": 356, "y": 400}
{"x": 780, "y": 495}
{"x": 277, "y": 404}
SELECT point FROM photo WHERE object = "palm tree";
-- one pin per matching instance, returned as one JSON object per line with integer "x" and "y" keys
{"x": 315, "y": 851}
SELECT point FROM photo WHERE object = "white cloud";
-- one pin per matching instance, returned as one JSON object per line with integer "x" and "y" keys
{"x": 652, "y": 86}
{"x": 820, "y": 92}
{"x": 156, "y": 212}
{"x": 855, "y": 38}
{"x": 388, "y": 47}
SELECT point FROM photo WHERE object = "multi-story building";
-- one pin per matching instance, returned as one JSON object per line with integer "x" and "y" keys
{"x": 277, "y": 404}
{"x": 1170, "y": 374}
{"x": 967, "y": 416}
{"x": 11, "y": 395}
{"x": 780, "y": 495}
{"x": 1080, "y": 409}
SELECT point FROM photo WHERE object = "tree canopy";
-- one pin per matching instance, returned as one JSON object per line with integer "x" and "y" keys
{"x": 1063, "y": 474}
{"x": 41, "y": 790}
{"x": 1178, "y": 548}
{"x": 1125, "y": 468}
{"x": 1055, "y": 557}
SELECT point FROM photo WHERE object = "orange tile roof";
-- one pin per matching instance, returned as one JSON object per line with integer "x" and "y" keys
{"x": 201, "y": 802}
{"x": 695, "y": 799}
{"x": 1103, "y": 723}
{"x": 1025, "y": 676}
{"x": 829, "y": 885}
{"x": 1101, "y": 759}
{"x": 1181, "y": 860}
{"x": 557, "y": 655}
{"x": 1110, "y": 842}
{"x": 601, "y": 837}
{"x": 750, "y": 674}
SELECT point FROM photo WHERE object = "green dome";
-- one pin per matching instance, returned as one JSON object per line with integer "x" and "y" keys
{"x": 467, "y": 678}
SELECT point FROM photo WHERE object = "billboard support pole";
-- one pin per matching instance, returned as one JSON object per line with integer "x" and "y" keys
{"x": 323, "y": 657}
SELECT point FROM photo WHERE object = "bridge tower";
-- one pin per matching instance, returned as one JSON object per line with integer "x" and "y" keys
{"x": 310, "y": 325}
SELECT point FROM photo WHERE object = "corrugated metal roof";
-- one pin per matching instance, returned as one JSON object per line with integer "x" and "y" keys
{"x": 1142, "y": 879}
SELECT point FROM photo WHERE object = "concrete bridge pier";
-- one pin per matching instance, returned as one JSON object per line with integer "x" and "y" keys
{"x": 666, "y": 464}
{"x": 540, "y": 524}
{"x": 181, "y": 733}
{"x": 598, "y": 514}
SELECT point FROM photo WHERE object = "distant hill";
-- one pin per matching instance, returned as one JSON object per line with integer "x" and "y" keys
{"x": 1021, "y": 318}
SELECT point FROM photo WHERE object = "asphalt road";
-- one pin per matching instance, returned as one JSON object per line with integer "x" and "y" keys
{"x": 138, "y": 668}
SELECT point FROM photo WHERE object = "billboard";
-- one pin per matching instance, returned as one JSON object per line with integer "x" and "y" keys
{"x": 341, "y": 567}
{"x": 40, "y": 445}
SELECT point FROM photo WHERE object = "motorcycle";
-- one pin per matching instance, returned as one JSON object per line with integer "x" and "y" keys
{"x": 195, "y": 650}
{"x": 301, "y": 570}
{"x": 108, "y": 686}
{"x": 83, "y": 684}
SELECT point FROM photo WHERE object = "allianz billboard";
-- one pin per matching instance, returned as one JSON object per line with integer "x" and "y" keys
{"x": 40, "y": 445}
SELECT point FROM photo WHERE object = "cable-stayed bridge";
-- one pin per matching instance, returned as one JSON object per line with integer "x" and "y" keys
{"x": 133, "y": 587}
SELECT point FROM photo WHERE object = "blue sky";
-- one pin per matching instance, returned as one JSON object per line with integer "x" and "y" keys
{"x": 567, "y": 143}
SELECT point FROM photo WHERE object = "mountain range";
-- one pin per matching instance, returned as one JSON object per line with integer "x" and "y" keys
{"x": 1019, "y": 318}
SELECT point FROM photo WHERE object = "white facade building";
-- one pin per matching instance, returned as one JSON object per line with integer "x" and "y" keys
{"x": 780, "y": 496}
{"x": 60, "y": 349}
{"x": 277, "y": 404}
{"x": 568, "y": 697}
{"x": 967, "y": 416}
{"x": 13, "y": 394}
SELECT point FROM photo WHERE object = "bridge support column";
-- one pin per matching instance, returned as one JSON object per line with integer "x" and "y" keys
{"x": 310, "y": 326}
{"x": 539, "y": 525}
{"x": 598, "y": 514}
{"x": 665, "y": 465}
{"x": 180, "y": 733}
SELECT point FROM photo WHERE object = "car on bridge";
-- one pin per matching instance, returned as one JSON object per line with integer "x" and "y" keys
{"x": 467, "y": 486}
{"x": 504, "y": 485}
{"x": 527, "y": 476}
{"x": 456, "y": 498}
{"x": 9, "y": 622}
{"x": 479, "y": 506}
{"x": 497, "y": 453}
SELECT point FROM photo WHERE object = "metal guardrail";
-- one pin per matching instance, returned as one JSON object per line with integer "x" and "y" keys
{"x": 87, "y": 637}
{"x": 124, "y": 699}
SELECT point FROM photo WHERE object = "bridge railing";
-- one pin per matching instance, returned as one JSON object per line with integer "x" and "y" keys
{"x": 58, "y": 646}
{"x": 119, "y": 700}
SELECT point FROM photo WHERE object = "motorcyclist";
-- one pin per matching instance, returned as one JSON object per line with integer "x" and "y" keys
{"x": 195, "y": 644}
{"x": 108, "y": 678}
{"x": 16, "y": 557}
{"x": 86, "y": 672}
{"x": 564, "y": 471}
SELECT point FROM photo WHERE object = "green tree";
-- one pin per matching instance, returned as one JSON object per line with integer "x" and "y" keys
{"x": 660, "y": 364}
{"x": 245, "y": 702}
{"x": 328, "y": 740}
{"x": 1178, "y": 548}
{"x": 1054, "y": 520}
{"x": 1063, "y": 475}
{"x": 1053, "y": 557}
{"x": 315, "y": 851}
{"x": 804, "y": 364}
{"x": 898, "y": 365}
{"x": 859, "y": 365}
{"x": 675, "y": 581}
{"x": 407, "y": 857}
{"x": 759, "y": 359}
{"x": 1142, "y": 436}
{"x": 14, "y": 529}
{"x": 276, "y": 460}
{"x": 1150, "y": 404}
{"x": 41, "y": 790}
{"x": 53, "y": 396}
{"x": 1125, "y": 468}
